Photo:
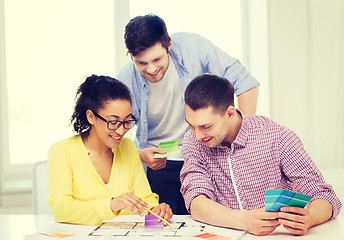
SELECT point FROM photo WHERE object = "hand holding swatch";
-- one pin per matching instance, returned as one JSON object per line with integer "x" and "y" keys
{"x": 170, "y": 147}
{"x": 275, "y": 199}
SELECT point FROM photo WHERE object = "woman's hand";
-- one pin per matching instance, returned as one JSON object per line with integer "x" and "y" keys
{"x": 130, "y": 202}
{"x": 164, "y": 210}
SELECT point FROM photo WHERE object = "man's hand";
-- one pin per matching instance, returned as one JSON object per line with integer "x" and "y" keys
{"x": 147, "y": 154}
{"x": 164, "y": 210}
{"x": 296, "y": 220}
{"x": 259, "y": 222}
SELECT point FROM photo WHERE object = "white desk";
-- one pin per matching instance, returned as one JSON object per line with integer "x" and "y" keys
{"x": 330, "y": 230}
{"x": 15, "y": 227}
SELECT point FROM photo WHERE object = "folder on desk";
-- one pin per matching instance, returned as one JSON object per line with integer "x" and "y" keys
{"x": 275, "y": 199}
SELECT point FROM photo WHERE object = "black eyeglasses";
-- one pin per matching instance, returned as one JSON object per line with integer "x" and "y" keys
{"x": 113, "y": 125}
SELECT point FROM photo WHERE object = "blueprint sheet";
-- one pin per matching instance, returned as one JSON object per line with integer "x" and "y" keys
{"x": 132, "y": 227}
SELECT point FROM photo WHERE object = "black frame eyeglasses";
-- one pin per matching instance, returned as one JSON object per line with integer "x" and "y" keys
{"x": 114, "y": 125}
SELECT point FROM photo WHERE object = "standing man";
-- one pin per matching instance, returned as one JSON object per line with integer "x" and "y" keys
{"x": 158, "y": 74}
{"x": 232, "y": 159}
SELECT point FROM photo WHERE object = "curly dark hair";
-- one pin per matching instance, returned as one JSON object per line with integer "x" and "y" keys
{"x": 91, "y": 95}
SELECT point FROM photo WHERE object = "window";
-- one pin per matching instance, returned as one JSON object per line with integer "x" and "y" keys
{"x": 50, "y": 49}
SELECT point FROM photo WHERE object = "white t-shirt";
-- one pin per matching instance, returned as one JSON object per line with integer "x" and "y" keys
{"x": 166, "y": 110}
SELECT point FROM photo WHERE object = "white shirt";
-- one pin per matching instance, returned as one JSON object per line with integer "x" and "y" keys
{"x": 166, "y": 111}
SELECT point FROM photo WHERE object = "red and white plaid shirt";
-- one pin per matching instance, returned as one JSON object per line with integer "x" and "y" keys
{"x": 264, "y": 156}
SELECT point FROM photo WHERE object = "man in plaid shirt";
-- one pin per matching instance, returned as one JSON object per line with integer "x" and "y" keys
{"x": 232, "y": 159}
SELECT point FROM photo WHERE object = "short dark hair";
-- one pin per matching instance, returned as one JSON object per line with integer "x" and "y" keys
{"x": 209, "y": 90}
{"x": 92, "y": 95}
{"x": 143, "y": 32}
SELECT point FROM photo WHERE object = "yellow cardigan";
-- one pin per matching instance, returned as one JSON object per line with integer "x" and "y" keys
{"x": 78, "y": 195}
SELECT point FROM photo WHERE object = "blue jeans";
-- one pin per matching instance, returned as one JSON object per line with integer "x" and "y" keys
{"x": 166, "y": 183}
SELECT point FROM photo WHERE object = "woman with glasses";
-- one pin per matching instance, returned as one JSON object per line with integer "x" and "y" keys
{"x": 97, "y": 174}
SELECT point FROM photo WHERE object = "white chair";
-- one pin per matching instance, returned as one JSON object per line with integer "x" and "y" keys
{"x": 40, "y": 189}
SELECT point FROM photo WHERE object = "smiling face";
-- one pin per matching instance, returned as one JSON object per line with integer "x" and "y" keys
{"x": 114, "y": 110}
{"x": 210, "y": 126}
{"x": 153, "y": 62}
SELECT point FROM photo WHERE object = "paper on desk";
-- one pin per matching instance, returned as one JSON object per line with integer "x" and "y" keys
{"x": 211, "y": 236}
{"x": 132, "y": 227}
{"x": 121, "y": 226}
{"x": 76, "y": 231}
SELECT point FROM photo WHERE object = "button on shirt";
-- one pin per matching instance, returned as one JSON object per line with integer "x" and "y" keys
{"x": 264, "y": 156}
{"x": 192, "y": 56}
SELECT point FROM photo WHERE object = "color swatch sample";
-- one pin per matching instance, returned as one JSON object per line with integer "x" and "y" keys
{"x": 58, "y": 235}
{"x": 275, "y": 199}
{"x": 151, "y": 221}
{"x": 211, "y": 236}
{"x": 170, "y": 147}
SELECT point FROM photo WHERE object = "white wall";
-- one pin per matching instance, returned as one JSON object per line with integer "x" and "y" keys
{"x": 306, "y": 48}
